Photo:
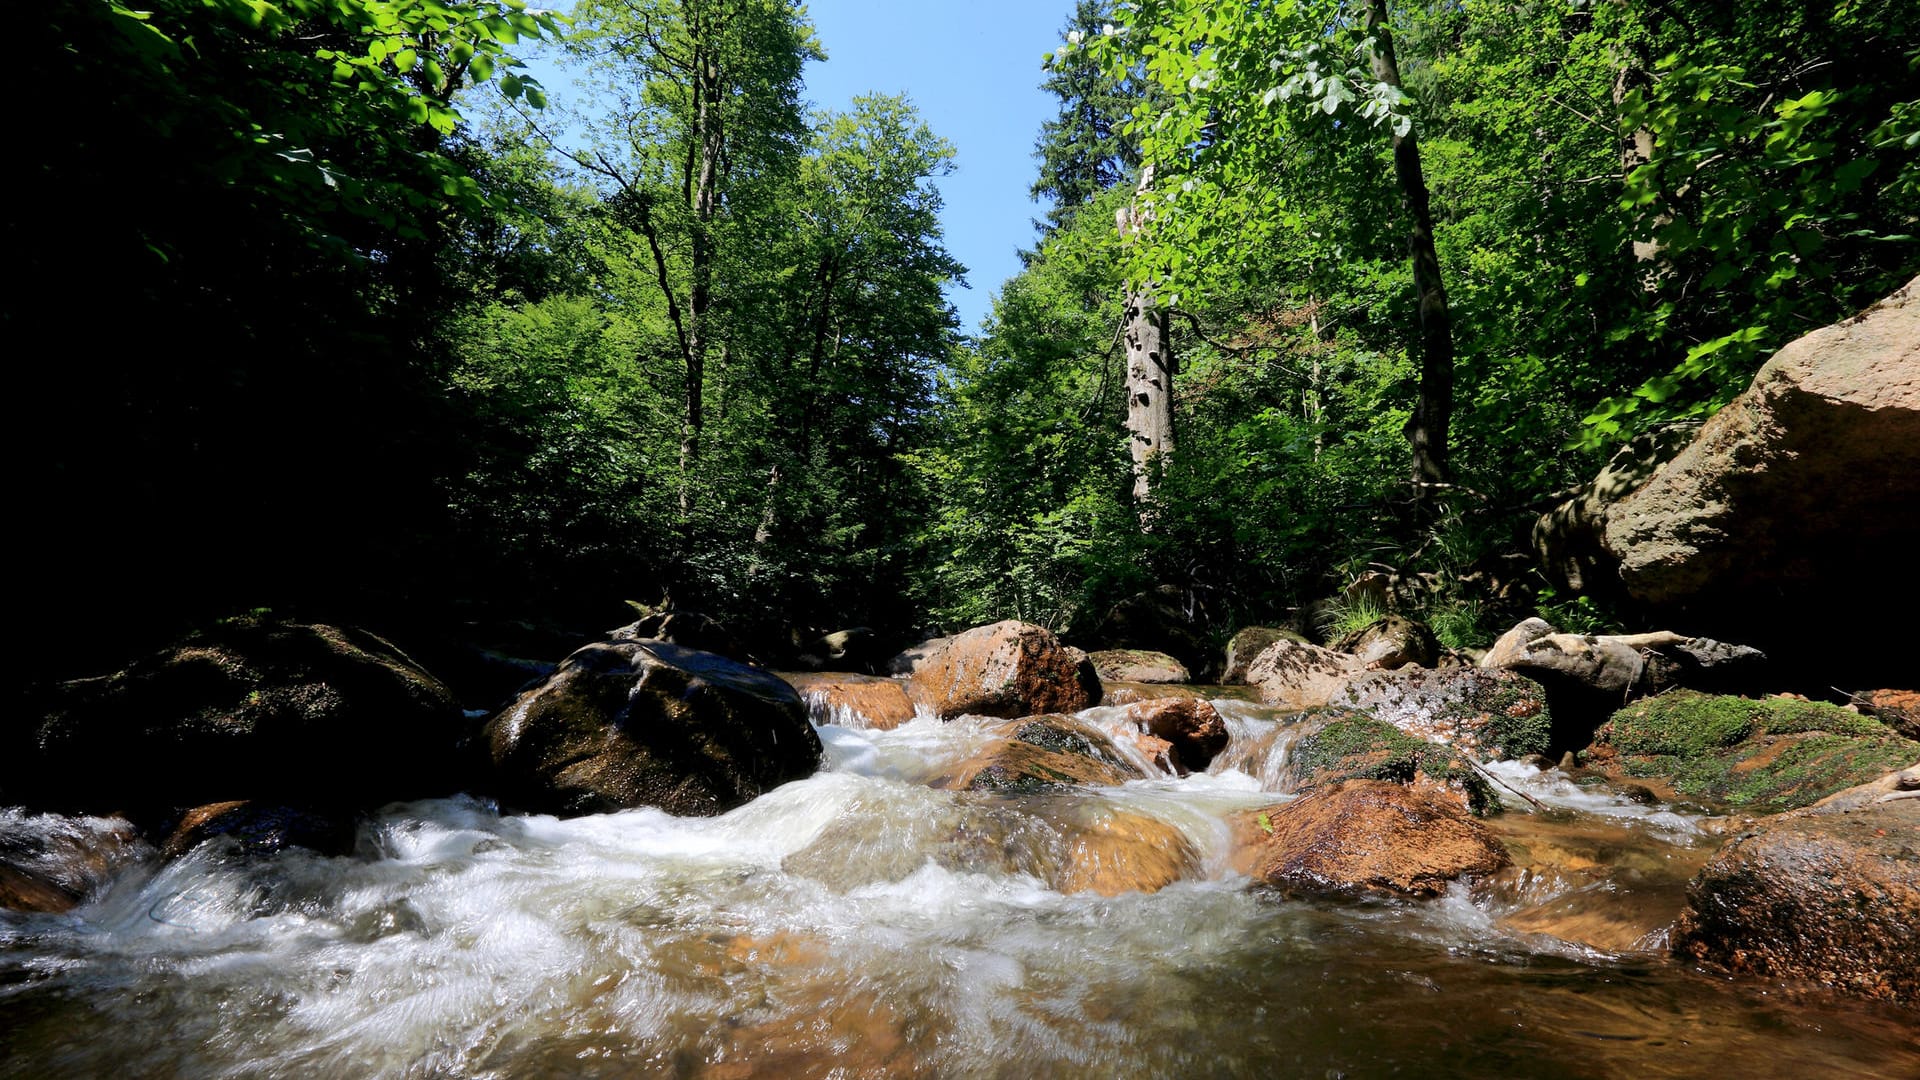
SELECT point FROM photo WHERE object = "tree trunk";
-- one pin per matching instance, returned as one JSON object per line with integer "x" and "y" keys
{"x": 1427, "y": 428}
{"x": 1150, "y": 366}
{"x": 702, "y": 184}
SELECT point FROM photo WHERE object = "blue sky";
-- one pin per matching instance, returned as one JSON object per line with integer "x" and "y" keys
{"x": 973, "y": 68}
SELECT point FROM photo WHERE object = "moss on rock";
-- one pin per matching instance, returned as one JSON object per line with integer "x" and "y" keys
{"x": 1338, "y": 744}
{"x": 1762, "y": 755}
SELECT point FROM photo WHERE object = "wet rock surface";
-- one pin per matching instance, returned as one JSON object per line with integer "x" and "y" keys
{"x": 50, "y": 863}
{"x": 1829, "y": 895}
{"x": 627, "y": 724}
{"x": 1330, "y": 746}
{"x": 252, "y": 708}
{"x": 1008, "y": 669}
{"x": 263, "y": 829}
{"x": 1364, "y": 836}
{"x": 1192, "y": 729}
{"x": 850, "y": 700}
{"x": 1039, "y": 755}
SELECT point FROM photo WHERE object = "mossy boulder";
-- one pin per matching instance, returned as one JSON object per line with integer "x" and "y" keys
{"x": 1760, "y": 755}
{"x": 1390, "y": 642}
{"x": 1333, "y": 745}
{"x": 1246, "y": 645}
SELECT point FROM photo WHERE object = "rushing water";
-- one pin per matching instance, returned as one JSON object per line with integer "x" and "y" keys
{"x": 860, "y": 923}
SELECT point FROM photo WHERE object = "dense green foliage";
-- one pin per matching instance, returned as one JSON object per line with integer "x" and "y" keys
{"x": 363, "y": 330}
{"x": 1633, "y": 205}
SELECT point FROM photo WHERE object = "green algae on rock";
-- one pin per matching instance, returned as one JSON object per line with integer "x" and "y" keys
{"x": 1339, "y": 744}
{"x": 1761, "y": 755}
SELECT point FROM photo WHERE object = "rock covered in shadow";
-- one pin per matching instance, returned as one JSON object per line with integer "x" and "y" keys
{"x": 249, "y": 709}
{"x": 647, "y": 723}
{"x": 1364, "y": 836}
{"x": 1827, "y": 895}
{"x": 258, "y": 828}
{"x": 688, "y": 630}
{"x": 1007, "y": 669}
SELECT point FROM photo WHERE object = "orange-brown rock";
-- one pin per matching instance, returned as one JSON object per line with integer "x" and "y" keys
{"x": 1138, "y": 666}
{"x": 1829, "y": 895}
{"x": 1898, "y": 709}
{"x": 1192, "y": 728}
{"x": 1042, "y": 754}
{"x": 1364, "y": 836}
{"x": 1008, "y": 669}
{"x": 50, "y": 863}
{"x": 1119, "y": 851}
{"x": 263, "y": 829}
{"x": 859, "y": 701}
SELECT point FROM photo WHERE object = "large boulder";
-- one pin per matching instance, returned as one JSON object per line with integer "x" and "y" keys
{"x": 857, "y": 701}
{"x": 1295, "y": 675}
{"x": 1493, "y": 715}
{"x": 1756, "y": 755}
{"x": 623, "y": 724}
{"x": 1009, "y": 669}
{"x": 1391, "y": 641}
{"x": 1166, "y": 619}
{"x": 1588, "y": 676}
{"x": 1792, "y": 513}
{"x": 1137, "y": 666}
{"x": 1246, "y": 645}
{"x": 914, "y": 657}
{"x": 1364, "y": 836}
{"x": 1829, "y": 895}
{"x": 248, "y": 709}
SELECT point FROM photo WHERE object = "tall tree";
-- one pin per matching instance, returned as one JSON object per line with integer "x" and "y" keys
{"x": 1147, "y": 331}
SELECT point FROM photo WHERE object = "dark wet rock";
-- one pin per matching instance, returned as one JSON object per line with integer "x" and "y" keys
{"x": 862, "y": 701}
{"x": 1805, "y": 482}
{"x": 1363, "y": 836}
{"x": 647, "y": 723}
{"x": 1246, "y": 645}
{"x": 1293, "y": 675}
{"x": 1391, "y": 641}
{"x": 1137, "y": 666}
{"x": 1332, "y": 745}
{"x": 1008, "y": 669}
{"x": 50, "y": 863}
{"x": 250, "y": 709}
{"x": 1192, "y": 729}
{"x": 1492, "y": 715}
{"x": 1166, "y": 619}
{"x": 263, "y": 829}
{"x": 687, "y": 629}
{"x": 1757, "y": 755}
{"x": 1829, "y": 895}
{"x": 1039, "y": 755}
{"x": 854, "y": 649}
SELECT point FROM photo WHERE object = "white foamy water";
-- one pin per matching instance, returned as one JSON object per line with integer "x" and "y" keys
{"x": 856, "y": 923}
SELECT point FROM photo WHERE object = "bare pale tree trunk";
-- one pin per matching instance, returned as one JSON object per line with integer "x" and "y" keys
{"x": 1427, "y": 428}
{"x": 702, "y": 182}
{"x": 1148, "y": 336}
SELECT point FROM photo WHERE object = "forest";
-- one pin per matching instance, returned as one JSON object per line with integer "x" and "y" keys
{"x": 368, "y": 330}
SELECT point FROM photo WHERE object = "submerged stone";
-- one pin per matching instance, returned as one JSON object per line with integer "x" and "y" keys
{"x": 1364, "y": 836}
